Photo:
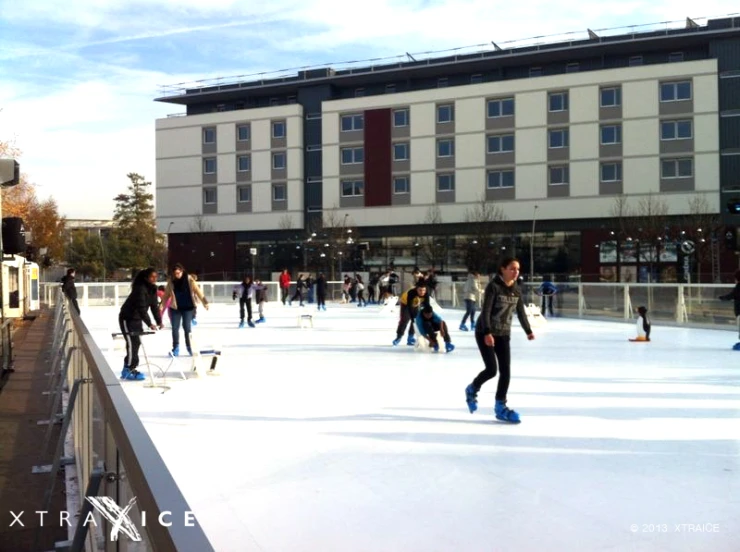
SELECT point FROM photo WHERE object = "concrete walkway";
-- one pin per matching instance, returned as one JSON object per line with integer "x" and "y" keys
{"x": 22, "y": 404}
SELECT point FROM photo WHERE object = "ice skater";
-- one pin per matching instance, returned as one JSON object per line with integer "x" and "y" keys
{"x": 493, "y": 335}
{"x": 429, "y": 324}
{"x": 245, "y": 293}
{"x": 734, "y": 295}
{"x": 547, "y": 291}
{"x": 410, "y": 302}
{"x": 471, "y": 292}
{"x": 182, "y": 294}
{"x": 134, "y": 314}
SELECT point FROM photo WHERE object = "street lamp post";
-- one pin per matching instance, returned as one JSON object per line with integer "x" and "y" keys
{"x": 531, "y": 254}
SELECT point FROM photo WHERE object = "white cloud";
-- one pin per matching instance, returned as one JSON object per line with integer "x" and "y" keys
{"x": 83, "y": 111}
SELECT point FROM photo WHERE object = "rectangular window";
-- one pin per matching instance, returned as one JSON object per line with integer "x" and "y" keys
{"x": 611, "y": 172}
{"x": 278, "y": 129}
{"x": 313, "y": 116}
{"x": 401, "y": 185}
{"x": 574, "y": 67}
{"x": 635, "y": 61}
{"x": 559, "y": 175}
{"x": 209, "y": 196}
{"x": 677, "y": 168}
{"x": 401, "y": 151}
{"x": 352, "y": 188}
{"x": 445, "y": 182}
{"x": 535, "y": 71}
{"x": 676, "y": 130}
{"x": 209, "y": 135}
{"x": 445, "y": 113}
{"x": 353, "y": 156}
{"x": 675, "y": 56}
{"x": 401, "y": 118}
{"x": 611, "y": 97}
{"x": 445, "y": 148}
{"x": 675, "y": 91}
{"x": 242, "y": 133}
{"x": 278, "y": 160}
{"x": 500, "y": 179}
{"x": 245, "y": 194}
{"x": 209, "y": 165}
{"x": 279, "y": 192}
{"x": 243, "y": 163}
{"x": 390, "y": 88}
{"x": 611, "y": 134}
{"x": 353, "y": 122}
{"x": 442, "y": 82}
{"x": 558, "y": 138}
{"x": 558, "y": 101}
{"x": 274, "y": 101}
{"x": 359, "y": 92}
{"x": 477, "y": 78}
{"x": 292, "y": 99}
{"x": 500, "y": 108}
{"x": 501, "y": 144}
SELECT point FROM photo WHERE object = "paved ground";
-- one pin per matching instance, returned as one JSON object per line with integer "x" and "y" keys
{"x": 21, "y": 441}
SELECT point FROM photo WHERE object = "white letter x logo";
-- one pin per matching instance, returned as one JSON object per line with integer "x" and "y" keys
{"x": 117, "y": 516}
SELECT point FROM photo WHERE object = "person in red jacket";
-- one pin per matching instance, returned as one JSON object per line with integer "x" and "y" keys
{"x": 284, "y": 285}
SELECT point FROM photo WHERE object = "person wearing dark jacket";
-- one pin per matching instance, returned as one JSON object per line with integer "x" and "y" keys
{"x": 321, "y": 292}
{"x": 69, "y": 289}
{"x": 501, "y": 299}
{"x": 244, "y": 292}
{"x": 134, "y": 315}
{"x": 410, "y": 303}
{"x": 734, "y": 295}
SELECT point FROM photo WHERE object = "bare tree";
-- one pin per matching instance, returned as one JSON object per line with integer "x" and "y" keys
{"x": 339, "y": 238}
{"x": 648, "y": 227}
{"x": 702, "y": 226}
{"x": 200, "y": 225}
{"x": 434, "y": 246}
{"x": 486, "y": 221}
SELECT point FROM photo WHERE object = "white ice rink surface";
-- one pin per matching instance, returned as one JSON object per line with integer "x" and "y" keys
{"x": 330, "y": 439}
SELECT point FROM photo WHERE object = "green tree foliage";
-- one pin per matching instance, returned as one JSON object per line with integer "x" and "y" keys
{"x": 135, "y": 239}
{"x": 84, "y": 252}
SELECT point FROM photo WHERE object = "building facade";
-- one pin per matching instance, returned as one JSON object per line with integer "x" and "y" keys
{"x": 599, "y": 157}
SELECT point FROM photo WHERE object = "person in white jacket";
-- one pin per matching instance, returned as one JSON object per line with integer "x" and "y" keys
{"x": 471, "y": 294}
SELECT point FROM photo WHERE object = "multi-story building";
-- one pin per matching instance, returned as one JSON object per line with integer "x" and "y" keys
{"x": 618, "y": 146}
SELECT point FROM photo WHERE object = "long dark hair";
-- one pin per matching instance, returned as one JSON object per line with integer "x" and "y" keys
{"x": 142, "y": 278}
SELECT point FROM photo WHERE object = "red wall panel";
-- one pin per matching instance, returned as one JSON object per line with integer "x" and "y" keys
{"x": 377, "y": 157}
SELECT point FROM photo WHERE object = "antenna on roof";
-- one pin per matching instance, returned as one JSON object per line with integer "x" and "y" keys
{"x": 496, "y": 46}
{"x": 691, "y": 24}
{"x": 592, "y": 35}
{"x": 412, "y": 58}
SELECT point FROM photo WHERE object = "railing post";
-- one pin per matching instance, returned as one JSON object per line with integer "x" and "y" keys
{"x": 627, "y": 302}
{"x": 581, "y": 302}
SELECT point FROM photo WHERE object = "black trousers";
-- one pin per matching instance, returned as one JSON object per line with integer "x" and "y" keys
{"x": 406, "y": 317}
{"x": 75, "y": 304}
{"x": 284, "y": 292}
{"x": 131, "y": 330}
{"x": 442, "y": 329}
{"x": 321, "y": 299}
{"x": 495, "y": 358}
{"x": 242, "y": 303}
{"x": 547, "y": 305}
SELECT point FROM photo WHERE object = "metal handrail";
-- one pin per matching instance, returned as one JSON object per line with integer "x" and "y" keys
{"x": 131, "y": 462}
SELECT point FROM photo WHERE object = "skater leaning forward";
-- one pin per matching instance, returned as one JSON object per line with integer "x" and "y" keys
{"x": 410, "y": 302}
{"x": 493, "y": 335}
{"x": 734, "y": 295}
{"x": 429, "y": 324}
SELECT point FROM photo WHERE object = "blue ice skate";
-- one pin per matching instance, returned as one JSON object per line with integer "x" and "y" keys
{"x": 241, "y": 324}
{"x": 505, "y": 414}
{"x": 396, "y": 341}
{"x": 736, "y": 346}
{"x": 125, "y": 371}
{"x": 436, "y": 347}
{"x": 250, "y": 323}
{"x": 463, "y": 328}
{"x": 449, "y": 347}
{"x": 411, "y": 340}
{"x": 176, "y": 350}
{"x": 261, "y": 320}
{"x": 471, "y": 398}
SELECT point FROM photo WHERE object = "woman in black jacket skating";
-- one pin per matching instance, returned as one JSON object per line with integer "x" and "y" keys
{"x": 493, "y": 335}
{"x": 134, "y": 315}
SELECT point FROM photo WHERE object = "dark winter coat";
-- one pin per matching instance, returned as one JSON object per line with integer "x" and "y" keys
{"x": 499, "y": 303}
{"x": 733, "y": 295}
{"x": 321, "y": 286}
{"x": 143, "y": 298}
{"x": 68, "y": 287}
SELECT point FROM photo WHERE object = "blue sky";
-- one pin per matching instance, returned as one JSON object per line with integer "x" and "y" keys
{"x": 77, "y": 77}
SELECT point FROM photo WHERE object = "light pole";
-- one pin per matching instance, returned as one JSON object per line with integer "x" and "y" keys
{"x": 531, "y": 255}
